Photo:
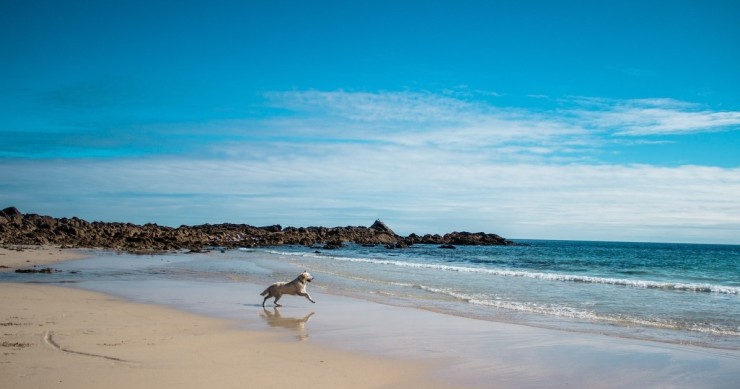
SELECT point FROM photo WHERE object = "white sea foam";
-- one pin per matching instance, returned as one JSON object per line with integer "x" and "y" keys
{"x": 644, "y": 284}
{"x": 580, "y": 314}
{"x": 677, "y": 310}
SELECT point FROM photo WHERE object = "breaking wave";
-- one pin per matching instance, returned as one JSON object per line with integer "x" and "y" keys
{"x": 643, "y": 284}
{"x": 580, "y": 314}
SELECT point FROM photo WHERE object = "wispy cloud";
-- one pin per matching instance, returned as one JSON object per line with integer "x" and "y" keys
{"x": 431, "y": 191}
{"x": 413, "y": 119}
{"x": 569, "y": 129}
{"x": 421, "y": 161}
{"x": 386, "y": 107}
{"x": 573, "y": 116}
{"x": 642, "y": 117}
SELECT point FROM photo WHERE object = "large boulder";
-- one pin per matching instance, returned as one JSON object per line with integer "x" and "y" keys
{"x": 10, "y": 214}
{"x": 382, "y": 227}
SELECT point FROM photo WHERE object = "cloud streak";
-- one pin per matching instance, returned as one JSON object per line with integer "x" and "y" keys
{"x": 423, "y": 193}
{"x": 415, "y": 112}
{"x": 423, "y": 162}
{"x": 657, "y": 117}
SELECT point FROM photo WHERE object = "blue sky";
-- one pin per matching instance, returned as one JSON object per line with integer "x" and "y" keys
{"x": 599, "y": 120}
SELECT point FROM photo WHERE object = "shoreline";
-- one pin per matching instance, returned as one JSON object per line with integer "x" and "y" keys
{"x": 73, "y": 338}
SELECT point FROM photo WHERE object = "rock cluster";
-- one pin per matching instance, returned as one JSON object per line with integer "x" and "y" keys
{"x": 31, "y": 229}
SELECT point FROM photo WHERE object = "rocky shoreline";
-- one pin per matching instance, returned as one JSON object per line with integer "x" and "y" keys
{"x": 17, "y": 228}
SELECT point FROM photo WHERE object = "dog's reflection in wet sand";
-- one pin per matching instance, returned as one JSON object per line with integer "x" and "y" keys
{"x": 275, "y": 319}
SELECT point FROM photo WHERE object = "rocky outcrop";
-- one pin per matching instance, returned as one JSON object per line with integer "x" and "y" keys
{"x": 460, "y": 239}
{"x": 31, "y": 229}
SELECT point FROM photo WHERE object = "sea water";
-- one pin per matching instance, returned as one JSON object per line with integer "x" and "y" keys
{"x": 673, "y": 293}
{"x": 680, "y": 293}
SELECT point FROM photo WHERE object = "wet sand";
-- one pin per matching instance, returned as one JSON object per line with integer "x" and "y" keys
{"x": 469, "y": 352}
{"x": 67, "y": 338}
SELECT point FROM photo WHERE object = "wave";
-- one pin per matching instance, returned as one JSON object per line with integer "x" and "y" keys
{"x": 435, "y": 295}
{"x": 574, "y": 313}
{"x": 643, "y": 284}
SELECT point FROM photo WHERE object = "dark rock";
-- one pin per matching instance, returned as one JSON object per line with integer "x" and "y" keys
{"x": 10, "y": 214}
{"x": 333, "y": 245}
{"x": 273, "y": 228}
{"x": 474, "y": 239}
{"x": 382, "y": 227}
{"x": 398, "y": 245}
{"x": 447, "y": 246}
{"x": 46, "y": 270}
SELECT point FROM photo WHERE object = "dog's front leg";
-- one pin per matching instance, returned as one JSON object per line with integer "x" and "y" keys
{"x": 308, "y": 296}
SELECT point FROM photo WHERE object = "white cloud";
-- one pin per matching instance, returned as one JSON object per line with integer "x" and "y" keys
{"x": 423, "y": 191}
{"x": 424, "y": 163}
{"x": 413, "y": 119}
{"x": 642, "y": 117}
{"x": 441, "y": 118}
{"x": 387, "y": 107}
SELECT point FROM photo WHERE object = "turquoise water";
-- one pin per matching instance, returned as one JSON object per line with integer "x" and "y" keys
{"x": 674, "y": 293}
{"x": 667, "y": 292}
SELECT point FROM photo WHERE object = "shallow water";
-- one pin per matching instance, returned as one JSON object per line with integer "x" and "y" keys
{"x": 666, "y": 292}
{"x": 673, "y": 293}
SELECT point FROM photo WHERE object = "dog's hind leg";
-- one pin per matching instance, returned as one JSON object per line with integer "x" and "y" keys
{"x": 265, "y": 300}
{"x": 276, "y": 300}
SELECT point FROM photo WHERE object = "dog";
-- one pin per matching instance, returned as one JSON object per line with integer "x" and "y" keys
{"x": 295, "y": 287}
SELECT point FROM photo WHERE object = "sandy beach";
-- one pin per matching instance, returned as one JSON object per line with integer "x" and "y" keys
{"x": 67, "y": 338}
{"x": 194, "y": 333}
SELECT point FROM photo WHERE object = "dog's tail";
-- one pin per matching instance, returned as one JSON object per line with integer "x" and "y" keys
{"x": 265, "y": 292}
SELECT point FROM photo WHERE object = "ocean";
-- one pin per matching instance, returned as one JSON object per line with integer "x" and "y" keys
{"x": 671, "y": 293}
{"x": 677, "y": 293}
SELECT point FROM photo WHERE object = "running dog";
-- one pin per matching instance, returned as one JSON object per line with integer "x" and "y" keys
{"x": 295, "y": 287}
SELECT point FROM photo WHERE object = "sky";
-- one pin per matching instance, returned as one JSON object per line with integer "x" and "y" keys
{"x": 582, "y": 120}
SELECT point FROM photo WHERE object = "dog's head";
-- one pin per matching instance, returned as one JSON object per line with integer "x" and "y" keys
{"x": 305, "y": 276}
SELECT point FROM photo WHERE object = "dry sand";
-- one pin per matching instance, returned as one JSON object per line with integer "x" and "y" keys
{"x": 29, "y": 257}
{"x": 61, "y": 337}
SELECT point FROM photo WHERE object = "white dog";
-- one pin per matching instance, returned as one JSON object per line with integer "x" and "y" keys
{"x": 295, "y": 287}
